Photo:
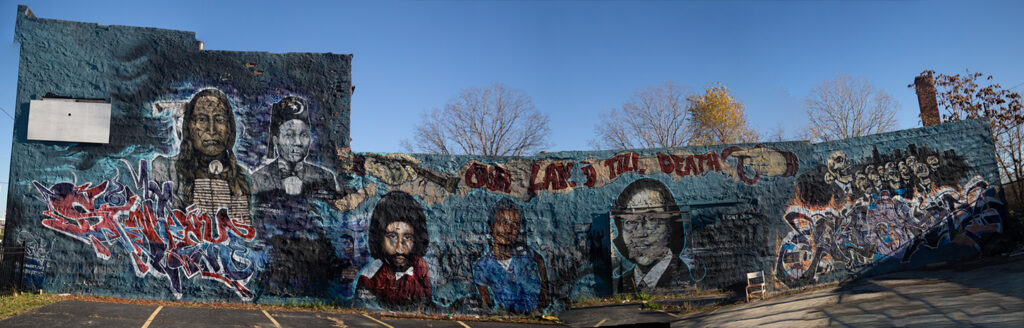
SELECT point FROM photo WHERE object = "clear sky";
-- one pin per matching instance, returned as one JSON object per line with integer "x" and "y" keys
{"x": 577, "y": 59}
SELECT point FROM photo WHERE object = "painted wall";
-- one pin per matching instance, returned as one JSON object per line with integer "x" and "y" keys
{"x": 228, "y": 178}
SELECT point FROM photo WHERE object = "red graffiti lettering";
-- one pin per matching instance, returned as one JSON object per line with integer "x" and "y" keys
{"x": 556, "y": 177}
{"x": 493, "y": 177}
{"x": 689, "y": 165}
{"x": 710, "y": 161}
{"x": 175, "y": 245}
{"x": 591, "y": 173}
{"x": 665, "y": 161}
{"x": 623, "y": 163}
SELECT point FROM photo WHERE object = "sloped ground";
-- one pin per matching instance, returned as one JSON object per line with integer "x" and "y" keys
{"x": 983, "y": 293}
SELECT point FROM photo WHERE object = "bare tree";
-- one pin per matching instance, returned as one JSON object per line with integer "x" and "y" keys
{"x": 654, "y": 117}
{"x": 776, "y": 134}
{"x": 493, "y": 121}
{"x": 963, "y": 98}
{"x": 849, "y": 107}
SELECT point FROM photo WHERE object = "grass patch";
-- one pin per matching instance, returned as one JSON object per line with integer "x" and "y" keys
{"x": 652, "y": 306}
{"x": 643, "y": 297}
{"x": 614, "y": 299}
{"x": 18, "y": 303}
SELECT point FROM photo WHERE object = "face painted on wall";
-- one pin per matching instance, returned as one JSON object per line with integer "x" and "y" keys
{"x": 505, "y": 228}
{"x": 209, "y": 127}
{"x": 923, "y": 173}
{"x": 399, "y": 240}
{"x": 933, "y": 162}
{"x": 905, "y": 172}
{"x": 863, "y": 183}
{"x": 646, "y": 233}
{"x": 879, "y": 178}
{"x": 873, "y": 179}
{"x": 292, "y": 140}
{"x": 838, "y": 165}
{"x": 893, "y": 175}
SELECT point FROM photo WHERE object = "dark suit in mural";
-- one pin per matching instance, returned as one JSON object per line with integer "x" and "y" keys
{"x": 398, "y": 274}
{"x": 511, "y": 274}
{"x": 205, "y": 167}
{"x": 303, "y": 260}
{"x": 289, "y": 172}
{"x": 650, "y": 238}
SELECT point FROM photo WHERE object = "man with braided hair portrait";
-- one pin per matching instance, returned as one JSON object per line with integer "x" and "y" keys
{"x": 205, "y": 171}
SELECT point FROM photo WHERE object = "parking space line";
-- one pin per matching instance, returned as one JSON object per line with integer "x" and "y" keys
{"x": 152, "y": 316}
{"x": 378, "y": 321}
{"x": 599, "y": 323}
{"x": 463, "y": 324}
{"x": 669, "y": 313}
{"x": 271, "y": 319}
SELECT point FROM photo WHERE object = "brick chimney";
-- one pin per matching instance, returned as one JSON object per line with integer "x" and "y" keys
{"x": 926, "y": 100}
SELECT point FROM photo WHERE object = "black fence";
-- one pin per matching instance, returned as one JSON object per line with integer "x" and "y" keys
{"x": 12, "y": 268}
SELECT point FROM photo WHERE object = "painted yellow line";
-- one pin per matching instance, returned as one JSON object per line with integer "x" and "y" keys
{"x": 599, "y": 323}
{"x": 152, "y": 316}
{"x": 271, "y": 319}
{"x": 463, "y": 324}
{"x": 671, "y": 314}
{"x": 378, "y": 321}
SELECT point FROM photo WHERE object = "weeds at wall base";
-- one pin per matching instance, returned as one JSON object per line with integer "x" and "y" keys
{"x": 642, "y": 298}
{"x": 18, "y": 303}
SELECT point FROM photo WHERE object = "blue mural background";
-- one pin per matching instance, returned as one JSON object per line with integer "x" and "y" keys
{"x": 88, "y": 237}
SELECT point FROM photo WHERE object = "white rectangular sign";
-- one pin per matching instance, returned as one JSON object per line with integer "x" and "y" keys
{"x": 71, "y": 120}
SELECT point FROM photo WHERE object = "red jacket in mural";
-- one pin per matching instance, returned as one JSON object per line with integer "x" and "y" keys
{"x": 381, "y": 280}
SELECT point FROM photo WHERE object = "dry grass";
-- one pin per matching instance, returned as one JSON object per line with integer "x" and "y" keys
{"x": 642, "y": 298}
{"x": 18, "y": 303}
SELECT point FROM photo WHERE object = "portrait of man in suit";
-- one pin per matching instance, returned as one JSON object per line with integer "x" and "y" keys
{"x": 649, "y": 237}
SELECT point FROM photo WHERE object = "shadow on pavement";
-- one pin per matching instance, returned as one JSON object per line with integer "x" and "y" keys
{"x": 985, "y": 292}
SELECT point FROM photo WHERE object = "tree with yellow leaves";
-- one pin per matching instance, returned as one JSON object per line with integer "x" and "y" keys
{"x": 669, "y": 116}
{"x": 716, "y": 117}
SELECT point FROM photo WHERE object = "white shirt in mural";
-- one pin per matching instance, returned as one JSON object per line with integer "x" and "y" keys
{"x": 650, "y": 279}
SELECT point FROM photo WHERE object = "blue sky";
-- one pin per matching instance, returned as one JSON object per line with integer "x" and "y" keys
{"x": 577, "y": 59}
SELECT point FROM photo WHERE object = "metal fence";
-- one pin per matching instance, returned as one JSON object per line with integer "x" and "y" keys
{"x": 12, "y": 268}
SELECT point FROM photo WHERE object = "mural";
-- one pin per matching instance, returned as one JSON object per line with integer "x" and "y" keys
{"x": 510, "y": 275}
{"x": 173, "y": 244}
{"x": 192, "y": 216}
{"x": 885, "y": 207}
{"x": 205, "y": 168}
{"x": 398, "y": 275}
{"x": 229, "y": 177}
{"x": 648, "y": 238}
{"x": 525, "y": 179}
{"x": 289, "y": 172}
{"x": 301, "y": 260}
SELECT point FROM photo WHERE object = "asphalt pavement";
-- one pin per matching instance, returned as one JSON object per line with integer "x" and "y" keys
{"x": 987, "y": 293}
{"x": 115, "y": 315}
